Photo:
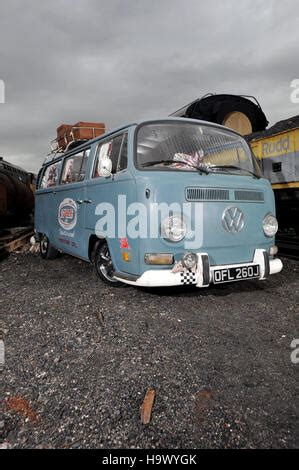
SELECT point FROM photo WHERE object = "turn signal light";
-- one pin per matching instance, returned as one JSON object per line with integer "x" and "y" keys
{"x": 126, "y": 256}
{"x": 158, "y": 258}
{"x": 273, "y": 250}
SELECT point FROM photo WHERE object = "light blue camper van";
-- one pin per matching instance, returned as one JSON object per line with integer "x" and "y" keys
{"x": 160, "y": 203}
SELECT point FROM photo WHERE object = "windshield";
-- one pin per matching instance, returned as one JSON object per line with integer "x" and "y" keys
{"x": 192, "y": 147}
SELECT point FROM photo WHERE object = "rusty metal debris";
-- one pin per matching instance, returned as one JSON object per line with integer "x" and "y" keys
{"x": 147, "y": 406}
{"x": 21, "y": 406}
{"x": 203, "y": 400}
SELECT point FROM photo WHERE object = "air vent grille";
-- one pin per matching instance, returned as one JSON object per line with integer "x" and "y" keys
{"x": 248, "y": 195}
{"x": 207, "y": 194}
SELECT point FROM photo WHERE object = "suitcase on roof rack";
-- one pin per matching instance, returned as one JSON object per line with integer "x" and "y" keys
{"x": 87, "y": 130}
{"x": 67, "y": 133}
{"x": 63, "y": 135}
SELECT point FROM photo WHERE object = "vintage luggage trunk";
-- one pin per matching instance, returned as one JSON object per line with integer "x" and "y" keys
{"x": 64, "y": 135}
{"x": 67, "y": 133}
{"x": 87, "y": 130}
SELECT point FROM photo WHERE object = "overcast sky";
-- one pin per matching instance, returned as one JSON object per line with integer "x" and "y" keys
{"x": 116, "y": 61}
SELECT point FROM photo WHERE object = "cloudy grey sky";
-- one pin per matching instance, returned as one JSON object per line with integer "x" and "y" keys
{"x": 120, "y": 60}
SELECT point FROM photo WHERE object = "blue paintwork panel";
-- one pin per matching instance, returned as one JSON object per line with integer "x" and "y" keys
{"x": 222, "y": 247}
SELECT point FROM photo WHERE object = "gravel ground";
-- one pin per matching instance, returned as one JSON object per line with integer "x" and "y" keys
{"x": 80, "y": 357}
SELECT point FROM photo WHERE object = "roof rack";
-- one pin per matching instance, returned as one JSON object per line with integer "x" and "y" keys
{"x": 80, "y": 132}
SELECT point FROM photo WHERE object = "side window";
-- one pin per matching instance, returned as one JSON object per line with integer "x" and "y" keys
{"x": 84, "y": 165}
{"x": 109, "y": 149}
{"x": 116, "y": 144}
{"x": 123, "y": 158}
{"x": 103, "y": 152}
{"x": 74, "y": 167}
{"x": 50, "y": 176}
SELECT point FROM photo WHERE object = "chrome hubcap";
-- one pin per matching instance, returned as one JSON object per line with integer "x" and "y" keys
{"x": 104, "y": 263}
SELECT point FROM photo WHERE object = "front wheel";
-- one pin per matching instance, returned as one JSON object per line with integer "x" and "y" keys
{"x": 104, "y": 267}
{"x": 47, "y": 251}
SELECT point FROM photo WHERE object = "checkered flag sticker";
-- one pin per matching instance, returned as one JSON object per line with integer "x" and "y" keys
{"x": 188, "y": 277}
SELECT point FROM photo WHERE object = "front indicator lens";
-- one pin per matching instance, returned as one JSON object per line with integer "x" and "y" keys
{"x": 270, "y": 225}
{"x": 158, "y": 258}
{"x": 126, "y": 256}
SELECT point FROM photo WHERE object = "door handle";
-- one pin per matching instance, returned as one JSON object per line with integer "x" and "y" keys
{"x": 87, "y": 201}
{"x": 79, "y": 201}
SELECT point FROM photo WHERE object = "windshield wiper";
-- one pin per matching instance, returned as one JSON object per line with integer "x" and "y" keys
{"x": 233, "y": 167}
{"x": 168, "y": 162}
{"x": 199, "y": 168}
{"x": 157, "y": 162}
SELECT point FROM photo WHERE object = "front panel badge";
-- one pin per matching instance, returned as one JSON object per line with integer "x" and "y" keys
{"x": 232, "y": 219}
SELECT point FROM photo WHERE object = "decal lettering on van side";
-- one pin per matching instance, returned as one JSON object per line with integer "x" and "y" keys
{"x": 67, "y": 214}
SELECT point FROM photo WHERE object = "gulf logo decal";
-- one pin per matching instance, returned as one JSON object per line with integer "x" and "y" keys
{"x": 67, "y": 214}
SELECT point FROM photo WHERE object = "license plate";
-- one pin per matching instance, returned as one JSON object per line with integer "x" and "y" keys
{"x": 236, "y": 274}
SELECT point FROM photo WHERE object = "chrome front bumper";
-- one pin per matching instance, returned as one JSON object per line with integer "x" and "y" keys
{"x": 202, "y": 274}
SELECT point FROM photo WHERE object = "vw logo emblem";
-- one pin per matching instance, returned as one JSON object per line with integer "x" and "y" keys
{"x": 232, "y": 219}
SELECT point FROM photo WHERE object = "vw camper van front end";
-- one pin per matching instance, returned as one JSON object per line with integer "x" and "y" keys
{"x": 212, "y": 211}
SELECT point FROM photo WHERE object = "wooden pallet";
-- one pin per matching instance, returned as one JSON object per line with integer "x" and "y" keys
{"x": 12, "y": 239}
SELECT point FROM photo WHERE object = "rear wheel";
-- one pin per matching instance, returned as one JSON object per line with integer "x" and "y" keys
{"x": 47, "y": 251}
{"x": 103, "y": 265}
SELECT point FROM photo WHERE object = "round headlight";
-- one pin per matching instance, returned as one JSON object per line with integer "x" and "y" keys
{"x": 270, "y": 225}
{"x": 189, "y": 260}
{"x": 174, "y": 228}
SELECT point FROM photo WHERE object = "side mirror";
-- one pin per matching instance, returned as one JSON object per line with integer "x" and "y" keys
{"x": 105, "y": 167}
